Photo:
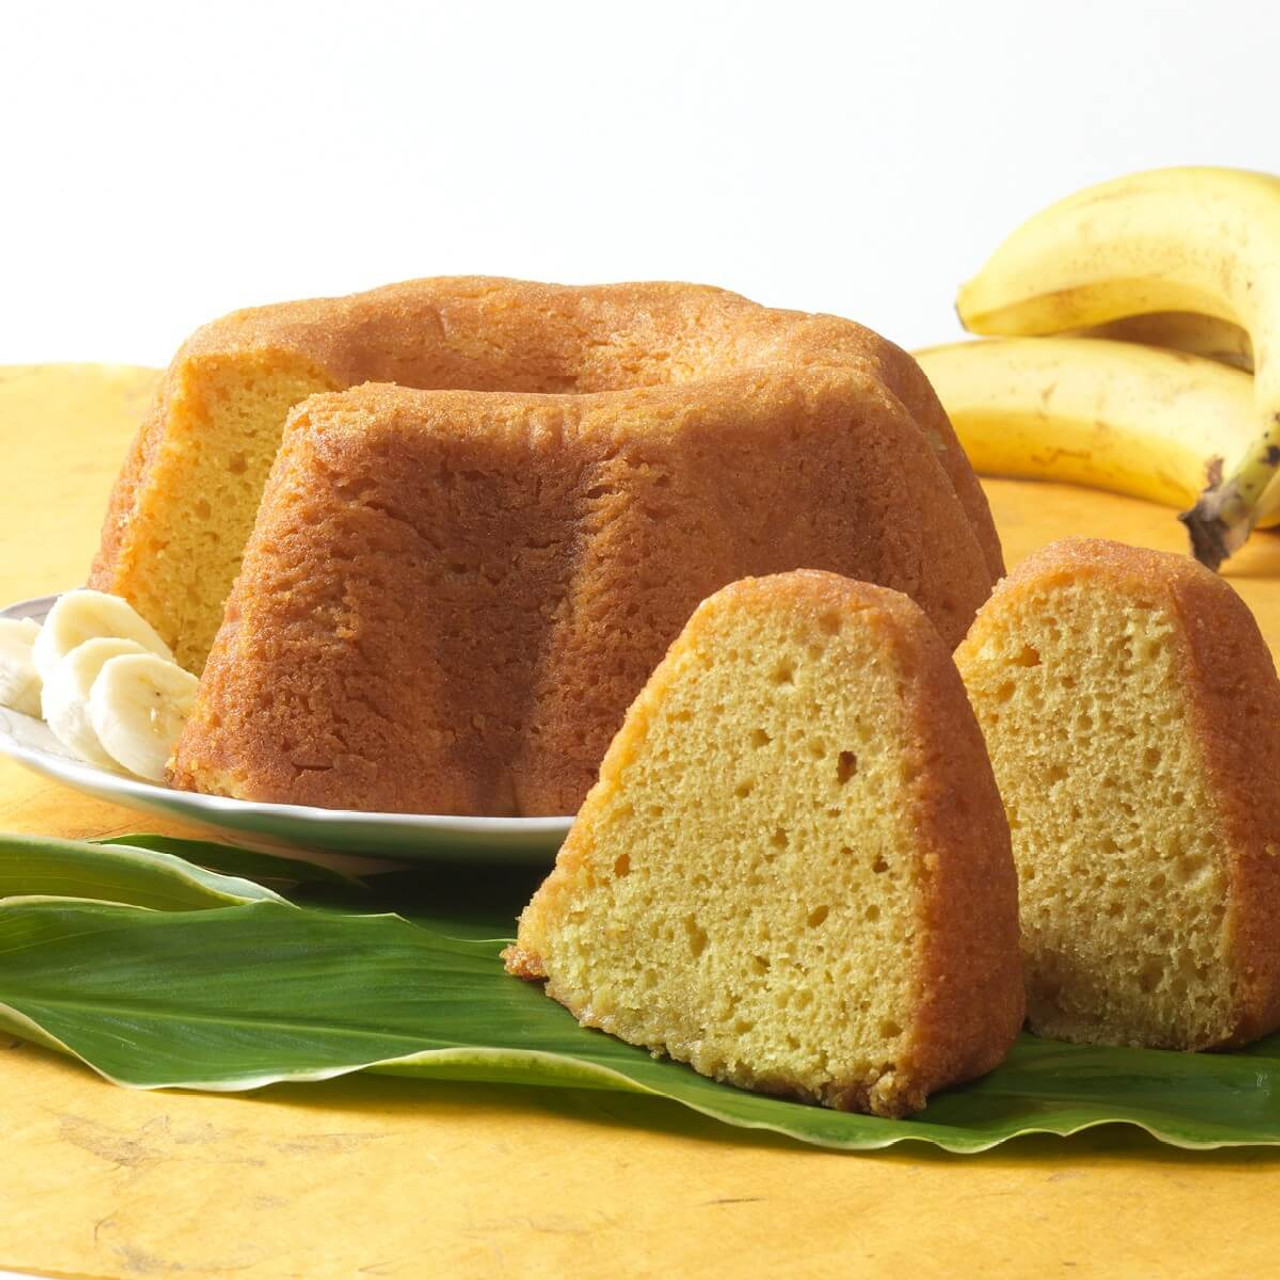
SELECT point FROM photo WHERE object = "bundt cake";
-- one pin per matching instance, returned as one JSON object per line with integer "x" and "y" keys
{"x": 462, "y": 572}
{"x": 794, "y": 871}
{"x": 187, "y": 497}
{"x": 1132, "y": 714}
{"x": 450, "y": 599}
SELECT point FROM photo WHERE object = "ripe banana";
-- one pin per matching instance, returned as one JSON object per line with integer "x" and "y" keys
{"x": 1114, "y": 415}
{"x": 1196, "y": 239}
{"x": 138, "y": 706}
{"x": 87, "y": 615}
{"x": 19, "y": 679}
{"x": 65, "y": 699}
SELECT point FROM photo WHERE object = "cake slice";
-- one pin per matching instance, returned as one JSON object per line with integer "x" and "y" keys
{"x": 1132, "y": 714}
{"x": 794, "y": 872}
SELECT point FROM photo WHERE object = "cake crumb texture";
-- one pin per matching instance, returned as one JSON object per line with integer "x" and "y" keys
{"x": 1132, "y": 714}
{"x": 794, "y": 872}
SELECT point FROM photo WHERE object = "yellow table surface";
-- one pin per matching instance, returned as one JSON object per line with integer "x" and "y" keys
{"x": 380, "y": 1177}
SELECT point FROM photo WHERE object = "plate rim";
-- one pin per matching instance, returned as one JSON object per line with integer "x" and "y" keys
{"x": 56, "y": 766}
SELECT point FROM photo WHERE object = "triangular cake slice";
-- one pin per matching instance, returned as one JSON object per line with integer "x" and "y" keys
{"x": 1132, "y": 713}
{"x": 794, "y": 871}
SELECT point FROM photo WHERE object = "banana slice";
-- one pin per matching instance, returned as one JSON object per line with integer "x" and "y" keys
{"x": 138, "y": 705}
{"x": 19, "y": 679}
{"x": 88, "y": 615}
{"x": 65, "y": 698}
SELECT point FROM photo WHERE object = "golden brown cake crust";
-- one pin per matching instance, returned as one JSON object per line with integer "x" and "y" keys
{"x": 484, "y": 334}
{"x": 1234, "y": 701}
{"x": 601, "y": 459}
{"x": 973, "y": 1001}
{"x": 449, "y": 600}
{"x": 968, "y": 983}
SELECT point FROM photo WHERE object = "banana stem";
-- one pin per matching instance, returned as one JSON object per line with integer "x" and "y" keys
{"x": 1227, "y": 510}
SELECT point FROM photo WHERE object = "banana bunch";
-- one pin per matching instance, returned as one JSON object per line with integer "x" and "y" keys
{"x": 103, "y": 680}
{"x": 1184, "y": 259}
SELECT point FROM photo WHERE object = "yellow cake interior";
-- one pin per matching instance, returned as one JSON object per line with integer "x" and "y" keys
{"x": 1080, "y": 693}
{"x": 748, "y": 900}
{"x": 222, "y": 434}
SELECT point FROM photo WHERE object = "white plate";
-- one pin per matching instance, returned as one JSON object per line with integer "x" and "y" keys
{"x": 425, "y": 837}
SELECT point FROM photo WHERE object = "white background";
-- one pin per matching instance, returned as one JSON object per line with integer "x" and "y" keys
{"x": 161, "y": 164}
{"x": 165, "y": 163}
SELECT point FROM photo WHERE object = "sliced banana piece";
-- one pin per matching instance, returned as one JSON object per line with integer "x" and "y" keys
{"x": 65, "y": 698}
{"x": 138, "y": 705}
{"x": 19, "y": 679}
{"x": 89, "y": 615}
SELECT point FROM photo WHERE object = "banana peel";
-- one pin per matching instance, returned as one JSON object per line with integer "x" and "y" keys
{"x": 1121, "y": 416}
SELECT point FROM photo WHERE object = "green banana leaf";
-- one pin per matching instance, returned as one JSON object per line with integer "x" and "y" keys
{"x": 227, "y": 995}
{"x": 240, "y": 862}
{"x": 36, "y": 867}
